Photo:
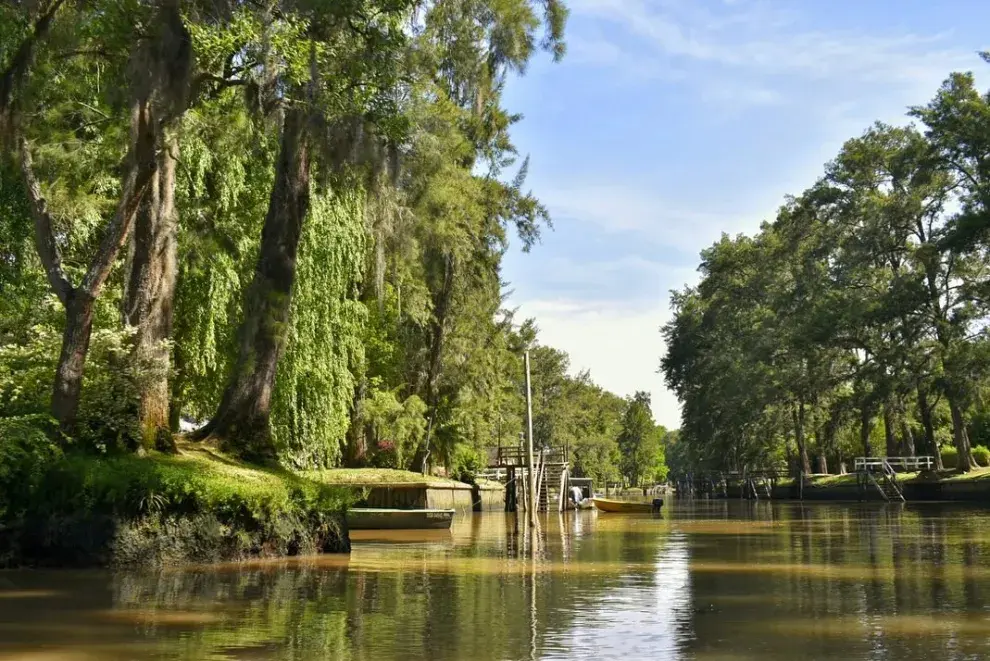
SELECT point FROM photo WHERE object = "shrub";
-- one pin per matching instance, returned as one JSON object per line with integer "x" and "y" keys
{"x": 465, "y": 463}
{"x": 950, "y": 456}
{"x": 982, "y": 455}
{"x": 26, "y": 454}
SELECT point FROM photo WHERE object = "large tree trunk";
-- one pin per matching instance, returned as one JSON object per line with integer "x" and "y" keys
{"x": 965, "y": 460}
{"x": 865, "y": 427}
{"x": 163, "y": 64}
{"x": 441, "y": 308}
{"x": 149, "y": 297}
{"x": 890, "y": 435}
{"x": 907, "y": 436}
{"x": 925, "y": 409}
{"x": 241, "y": 422}
{"x": 72, "y": 359}
{"x": 804, "y": 462}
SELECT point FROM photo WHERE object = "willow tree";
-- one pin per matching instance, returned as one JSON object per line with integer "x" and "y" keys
{"x": 325, "y": 52}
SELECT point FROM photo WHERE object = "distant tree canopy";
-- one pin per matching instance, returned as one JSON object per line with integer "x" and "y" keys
{"x": 855, "y": 322}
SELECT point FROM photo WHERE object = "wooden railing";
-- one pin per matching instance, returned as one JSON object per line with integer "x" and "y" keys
{"x": 516, "y": 456}
{"x": 898, "y": 464}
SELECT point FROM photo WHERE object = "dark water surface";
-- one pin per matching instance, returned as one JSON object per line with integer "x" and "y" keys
{"x": 707, "y": 580}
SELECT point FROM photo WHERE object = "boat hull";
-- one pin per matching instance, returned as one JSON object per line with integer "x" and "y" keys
{"x": 367, "y": 518}
{"x": 622, "y": 506}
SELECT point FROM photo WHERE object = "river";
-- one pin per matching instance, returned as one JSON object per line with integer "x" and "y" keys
{"x": 726, "y": 580}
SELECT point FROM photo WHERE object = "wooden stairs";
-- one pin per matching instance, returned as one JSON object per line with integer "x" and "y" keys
{"x": 883, "y": 478}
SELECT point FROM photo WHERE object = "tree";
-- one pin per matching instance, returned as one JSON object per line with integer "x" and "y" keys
{"x": 641, "y": 443}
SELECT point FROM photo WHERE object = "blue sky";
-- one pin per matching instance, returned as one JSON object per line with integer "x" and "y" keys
{"x": 672, "y": 121}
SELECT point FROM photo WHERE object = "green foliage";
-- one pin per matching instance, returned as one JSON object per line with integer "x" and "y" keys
{"x": 466, "y": 463}
{"x": 396, "y": 427}
{"x": 856, "y": 314}
{"x": 26, "y": 453}
{"x": 128, "y": 487}
{"x": 315, "y": 383}
{"x": 641, "y": 443}
{"x": 982, "y": 455}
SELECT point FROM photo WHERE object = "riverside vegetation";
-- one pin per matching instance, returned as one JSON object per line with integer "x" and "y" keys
{"x": 284, "y": 220}
{"x": 854, "y": 323}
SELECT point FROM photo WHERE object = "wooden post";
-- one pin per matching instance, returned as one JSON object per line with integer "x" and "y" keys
{"x": 562, "y": 500}
{"x": 529, "y": 446}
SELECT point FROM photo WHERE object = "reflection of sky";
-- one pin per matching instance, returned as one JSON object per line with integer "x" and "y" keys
{"x": 645, "y": 616}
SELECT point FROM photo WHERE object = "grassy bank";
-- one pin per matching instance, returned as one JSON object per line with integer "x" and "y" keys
{"x": 973, "y": 486}
{"x": 379, "y": 477}
{"x": 199, "y": 505}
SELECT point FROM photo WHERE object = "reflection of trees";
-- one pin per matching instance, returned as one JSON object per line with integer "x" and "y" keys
{"x": 389, "y": 605}
{"x": 830, "y": 581}
{"x": 772, "y": 581}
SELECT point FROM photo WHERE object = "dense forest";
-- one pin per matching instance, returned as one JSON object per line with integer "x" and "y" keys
{"x": 854, "y": 323}
{"x": 282, "y": 221}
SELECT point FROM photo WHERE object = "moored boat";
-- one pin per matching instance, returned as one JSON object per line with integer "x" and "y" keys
{"x": 623, "y": 506}
{"x": 371, "y": 518}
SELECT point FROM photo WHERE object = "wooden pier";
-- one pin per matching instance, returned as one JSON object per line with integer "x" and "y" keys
{"x": 551, "y": 474}
{"x": 880, "y": 473}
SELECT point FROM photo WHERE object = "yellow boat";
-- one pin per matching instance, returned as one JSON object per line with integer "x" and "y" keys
{"x": 623, "y": 506}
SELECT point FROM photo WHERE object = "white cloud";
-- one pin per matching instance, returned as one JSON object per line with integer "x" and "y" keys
{"x": 620, "y": 344}
{"x": 644, "y": 214}
{"x": 752, "y": 47}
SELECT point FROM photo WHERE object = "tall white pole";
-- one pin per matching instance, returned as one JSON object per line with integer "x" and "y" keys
{"x": 529, "y": 447}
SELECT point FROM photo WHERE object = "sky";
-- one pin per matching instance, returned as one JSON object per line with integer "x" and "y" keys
{"x": 669, "y": 122}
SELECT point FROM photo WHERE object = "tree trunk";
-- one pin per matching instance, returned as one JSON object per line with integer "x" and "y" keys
{"x": 72, "y": 359}
{"x": 965, "y": 460}
{"x": 890, "y": 436}
{"x": 907, "y": 436}
{"x": 926, "y": 421}
{"x": 865, "y": 427}
{"x": 78, "y": 301}
{"x": 149, "y": 295}
{"x": 441, "y": 307}
{"x": 162, "y": 85}
{"x": 803, "y": 462}
{"x": 241, "y": 422}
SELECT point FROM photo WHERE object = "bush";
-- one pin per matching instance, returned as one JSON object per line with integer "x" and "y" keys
{"x": 982, "y": 455}
{"x": 26, "y": 454}
{"x": 107, "y": 418}
{"x": 465, "y": 463}
{"x": 950, "y": 456}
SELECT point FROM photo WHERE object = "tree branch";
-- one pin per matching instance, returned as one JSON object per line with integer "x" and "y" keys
{"x": 135, "y": 186}
{"x": 19, "y": 63}
{"x": 44, "y": 235}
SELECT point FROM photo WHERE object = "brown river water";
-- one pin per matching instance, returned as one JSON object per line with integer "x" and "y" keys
{"x": 725, "y": 580}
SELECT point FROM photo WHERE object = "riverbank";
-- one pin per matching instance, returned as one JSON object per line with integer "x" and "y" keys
{"x": 931, "y": 486}
{"x": 196, "y": 506}
{"x": 199, "y": 505}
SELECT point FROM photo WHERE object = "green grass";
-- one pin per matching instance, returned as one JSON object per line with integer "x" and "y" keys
{"x": 378, "y": 477}
{"x": 976, "y": 475}
{"x": 199, "y": 479}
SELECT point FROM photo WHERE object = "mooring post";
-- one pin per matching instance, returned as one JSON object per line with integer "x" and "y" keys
{"x": 529, "y": 446}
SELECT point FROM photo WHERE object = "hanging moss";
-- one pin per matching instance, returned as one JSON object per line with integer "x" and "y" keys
{"x": 315, "y": 382}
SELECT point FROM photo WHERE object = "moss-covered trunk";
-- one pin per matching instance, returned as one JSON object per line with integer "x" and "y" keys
{"x": 241, "y": 422}
{"x": 150, "y": 294}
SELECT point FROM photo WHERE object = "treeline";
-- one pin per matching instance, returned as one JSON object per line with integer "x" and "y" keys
{"x": 283, "y": 219}
{"x": 855, "y": 322}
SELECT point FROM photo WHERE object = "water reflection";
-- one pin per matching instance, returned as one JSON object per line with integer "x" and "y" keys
{"x": 707, "y": 580}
